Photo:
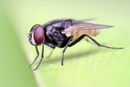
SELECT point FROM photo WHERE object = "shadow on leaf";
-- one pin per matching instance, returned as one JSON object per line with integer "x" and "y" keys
{"x": 75, "y": 55}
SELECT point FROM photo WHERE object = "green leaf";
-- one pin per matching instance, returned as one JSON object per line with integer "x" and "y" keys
{"x": 14, "y": 68}
{"x": 85, "y": 65}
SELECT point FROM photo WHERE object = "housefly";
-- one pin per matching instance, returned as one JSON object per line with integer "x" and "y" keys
{"x": 64, "y": 33}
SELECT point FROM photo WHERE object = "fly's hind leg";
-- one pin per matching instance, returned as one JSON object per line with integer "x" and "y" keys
{"x": 100, "y": 45}
{"x": 76, "y": 41}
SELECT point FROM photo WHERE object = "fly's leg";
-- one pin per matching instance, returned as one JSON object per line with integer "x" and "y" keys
{"x": 76, "y": 41}
{"x": 42, "y": 55}
{"x": 62, "y": 60}
{"x": 51, "y": 46}
{"x": 36, "y": 56}
{"x": 50, "y": 53}
{"x": 100, "y": 45}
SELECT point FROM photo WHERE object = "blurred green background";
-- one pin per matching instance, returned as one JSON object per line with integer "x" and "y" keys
{"x": 85, "y": 65}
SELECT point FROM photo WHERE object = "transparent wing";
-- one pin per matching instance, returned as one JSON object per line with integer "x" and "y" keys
{"x": 85, "y": 25}
{"x": 87, "y": 19}
{"x": 81, "y": 28}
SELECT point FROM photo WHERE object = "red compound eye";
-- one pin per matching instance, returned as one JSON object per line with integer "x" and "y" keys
{"x": 37, "y": 35}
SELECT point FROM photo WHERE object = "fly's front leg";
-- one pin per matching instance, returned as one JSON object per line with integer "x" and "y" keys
{"x": 62, "y": 60}
{"x": 42, "y": 55}
{"x": 36, "y": 56}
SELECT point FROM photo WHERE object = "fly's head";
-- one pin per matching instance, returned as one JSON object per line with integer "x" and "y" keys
{"x": 36, "y": 35}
